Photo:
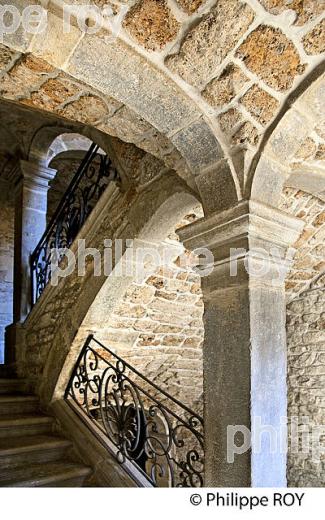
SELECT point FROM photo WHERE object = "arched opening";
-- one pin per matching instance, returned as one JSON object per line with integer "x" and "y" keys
{"x": 152, "y": 318}
{"x": 158, "y": 325}
{"x": 65, "y": 156}
{"x": 223, "y": 104}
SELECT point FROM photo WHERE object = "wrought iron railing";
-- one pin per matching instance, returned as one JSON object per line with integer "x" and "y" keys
{"x": 84, "y": 191}
{"x": 162, "y": 438}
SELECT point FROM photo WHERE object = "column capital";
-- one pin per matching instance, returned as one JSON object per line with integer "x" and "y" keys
{"x": 34, "y": 175}
{"x": 250, "y": 234}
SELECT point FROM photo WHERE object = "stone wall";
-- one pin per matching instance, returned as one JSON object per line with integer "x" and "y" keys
{"x": 305, "y": 290}
{"x": 56, "y": 303}
{"x": 158, "y": 327}
{"x": 6, "y": 260}
{"x": 309, "y": 260}
{"x": 306, "y": 383}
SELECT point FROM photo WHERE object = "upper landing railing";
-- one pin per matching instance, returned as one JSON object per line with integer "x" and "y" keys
{"x": 84, "y": 191}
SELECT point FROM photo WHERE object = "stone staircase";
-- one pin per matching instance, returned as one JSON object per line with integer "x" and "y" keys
{"x": 31, "y": 455}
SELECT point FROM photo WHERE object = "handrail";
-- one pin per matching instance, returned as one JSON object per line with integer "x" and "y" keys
{"x": 161, "y": 391}
{"x": 83, "y": 192}
{"x": 93, "y": 149}
{"x": 159, "y": 435}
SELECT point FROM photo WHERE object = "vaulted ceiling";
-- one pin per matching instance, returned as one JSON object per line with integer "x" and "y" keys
{"x": 202, "y": 85}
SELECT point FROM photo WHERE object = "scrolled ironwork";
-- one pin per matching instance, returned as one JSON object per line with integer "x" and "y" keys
{"x": 157, "y": 433}
{"x": 84, "y": 191}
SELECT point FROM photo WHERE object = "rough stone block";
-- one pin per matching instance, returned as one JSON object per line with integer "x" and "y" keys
{"x": 190, "y": 6}
{"x": 268, "y": 53}
{"x": 314, "y": 41}
{"x": 25, "y": 75}
{"x": 6, "y": 56}
{"x": 151, "y": 23}
{"x": 88, "y": 109}
{"x": 52, "y": 93}
{"x": 229, "y": 120}
{"x": 260, "y": 104}
{"x": 207, "y": 44}
{"x": 247, "y": 133}
{"x": 306, "y": 10}
{"x": 140, "y": 294}
{"x": 223, "y": 89}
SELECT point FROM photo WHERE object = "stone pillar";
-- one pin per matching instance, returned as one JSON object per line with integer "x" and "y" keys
{"x": 30, "y": 224}
{"x": 245, "y": 340}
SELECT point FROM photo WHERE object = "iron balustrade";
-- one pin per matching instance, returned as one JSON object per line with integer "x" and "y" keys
{"x": 84, "y": 191}
{"x": 162, "y": 438}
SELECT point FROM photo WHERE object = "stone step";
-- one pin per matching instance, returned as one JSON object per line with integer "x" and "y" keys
{"x": 54, "y": 474}
{"x": 7, "y": 371}
{"x": 11, "y": 426}
{"x": 18, "y": 404}
{"x": 11, "y": 386}
{"x": 34, "y": 449}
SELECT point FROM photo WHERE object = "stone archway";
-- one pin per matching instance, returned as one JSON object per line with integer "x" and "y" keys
{"x": 155, "y": 90}
{"x": 222, "y": 122}
{"x": 286, "y": 148}
{"x": 154, "y": 318}
{"x": 143, "y": 216}
{"x": 64, "y": 156}
{"x": 291, "y": 175}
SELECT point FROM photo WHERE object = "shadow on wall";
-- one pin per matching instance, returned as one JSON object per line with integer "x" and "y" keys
{"x": 6, "y": 261}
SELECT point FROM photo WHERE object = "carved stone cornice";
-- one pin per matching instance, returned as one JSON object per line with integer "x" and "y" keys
{"x": 35, "y": 176}
{"x": 255, "y": 237}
